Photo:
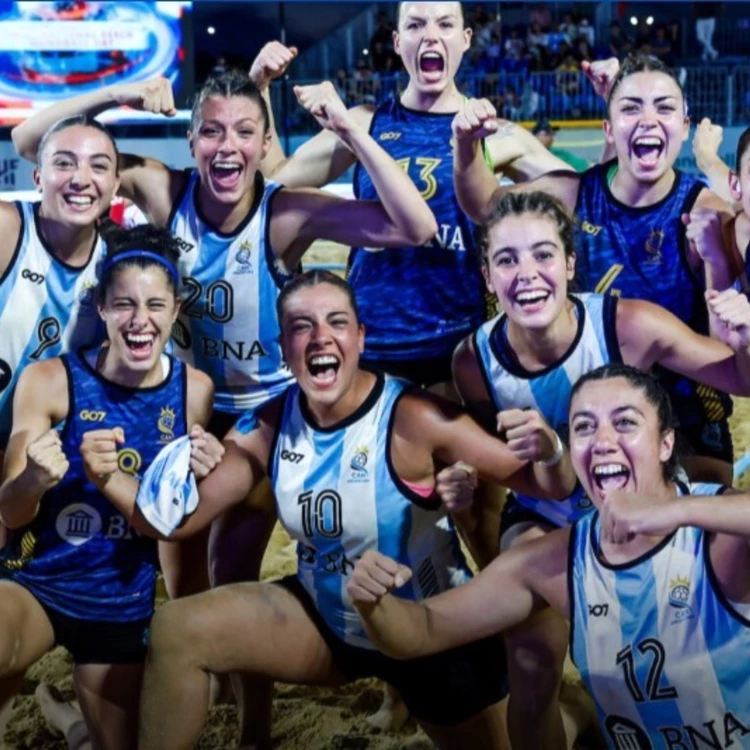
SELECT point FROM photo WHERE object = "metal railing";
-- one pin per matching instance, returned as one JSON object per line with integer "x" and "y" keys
{"x": 719, "y": 92}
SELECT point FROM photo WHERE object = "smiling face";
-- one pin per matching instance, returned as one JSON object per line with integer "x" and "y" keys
{"x": 431, "y": 40}
{"x": 647, "y": 124}
{"x": 138, "y": 310}
{"x": 616, "y": 441}
{"x": 321, "y": 340}
{"x": 77, "y": 175}
{"x": 527, "y": 269}
{"x": 228, "y": 143}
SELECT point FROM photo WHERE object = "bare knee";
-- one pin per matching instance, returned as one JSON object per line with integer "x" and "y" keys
{"x": 535, "y": 660}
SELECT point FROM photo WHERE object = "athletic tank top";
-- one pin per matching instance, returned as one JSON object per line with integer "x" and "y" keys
{"x": 641, "y": 253}
{"x": 79, "y": 556}
{"x": 418, "y": 301}
{"x": 548, "y": 391}
{"x": 338, "y": 495}
{"x": 228, "y": 325}
{"x": 661, "y": 650}
{"x": 46, "y": 308}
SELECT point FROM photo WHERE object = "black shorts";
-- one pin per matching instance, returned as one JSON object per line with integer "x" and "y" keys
{"x": 514, "y": 513}
{"x": 96, "y": 642}
{"x": 220, "y": 423}
{"x": 424, "y": 372}
{"x": 710, "y": 439}
{"x": 93, "y": 641}
{"x": 442, "y": 689}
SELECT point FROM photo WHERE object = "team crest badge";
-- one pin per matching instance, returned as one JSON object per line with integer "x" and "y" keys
{"x": 358, "y": 465}
{"x": 679, "y": 598}
{"x": 244, "y": 261}
{"x": 166, "y": 425}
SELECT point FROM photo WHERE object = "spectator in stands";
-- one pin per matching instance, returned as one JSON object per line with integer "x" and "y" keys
{"x": 220, "y": 66}
{"x": 586, "y": 30}
{"x": 342, "y": 86}
{"x": 555, "y": 39}
{"x": 583, "y": 50}
{"x": 540, "y": 15}
{"x": 383, "y": 32}
{"x": 568, "y": 27}
{"x": 381, "y": 58}
{"x": 514, "y": 52}
{"x": 545, "y": 133}
{"x": 643, "y": 37}
{"x": 619, "y": 43}
{"x": 661, "y": 46}
{"x": 365, "y": 84}
{"x": 705, "y": 23}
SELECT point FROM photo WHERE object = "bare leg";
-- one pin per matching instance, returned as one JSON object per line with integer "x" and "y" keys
{"x": 25, "y": 635}
{"x": 108, "y": 694}
{"x": 536, "y": 653}
{"x": 238, "y": 541}
{"x": 63, "y": 717}
{"x": 185, "y": 565}
{"x": 245, "y": 627}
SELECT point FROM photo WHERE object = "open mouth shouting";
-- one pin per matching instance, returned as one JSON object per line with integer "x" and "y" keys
{"x": 226, "y": 174}
{"x": 324, "y": 369}
{"x": 647, "y": 149}
{"x": 609, "y": 477}
{"x": 431, "y": 65}
{"x": 140, "y": 345}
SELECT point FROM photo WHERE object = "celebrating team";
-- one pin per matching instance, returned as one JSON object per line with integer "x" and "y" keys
{"x": 643, "y": 551}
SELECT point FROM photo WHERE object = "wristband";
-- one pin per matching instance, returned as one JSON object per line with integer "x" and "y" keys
{"x": 556, "y": 456}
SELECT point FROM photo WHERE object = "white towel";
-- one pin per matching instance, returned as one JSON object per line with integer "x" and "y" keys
{"x": 168, "y": 493}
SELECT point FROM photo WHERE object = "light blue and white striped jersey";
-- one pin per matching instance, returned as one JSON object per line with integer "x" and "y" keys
{"x": 338, "y": 495}
{"x": 548, "y": 391}
{"x": 662, "y": 651}
{"x": 47, "y": 308}
{"x": 228, "y": 325}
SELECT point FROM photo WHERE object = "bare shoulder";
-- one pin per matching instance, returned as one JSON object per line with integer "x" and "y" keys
{"x": 43, "y": 386}
{"x": 708, "y": 199}
{"x": 467, "y": 373}
{"x": 10, "y": 230}
{"x": 200, "y": 396}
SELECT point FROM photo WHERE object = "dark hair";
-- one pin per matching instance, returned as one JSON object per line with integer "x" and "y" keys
{"x": 639, "y": 63}
{"x": 742, "y": 145}
{"x": 651, "y": 389}
{"x": 518, "y": 203}
{"x": 85, "y": 121}
{"x": 142, "y": 237}
{"x": 401, "y": 7}
{"x": 314, "y": 278}
{"x": 228, "y": 84}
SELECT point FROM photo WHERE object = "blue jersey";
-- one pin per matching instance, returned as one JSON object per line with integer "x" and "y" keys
{"x": 79, "y": 556}
{"x": 660, "y": 648}
{"x": 418, "y": 301}
{"x": 46, "y": 308}
{"x": 338, "y": 495}
{"x": 641, "y": 253}
{"x": 547, "y": 391}
{"x": 228, "y": 325}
